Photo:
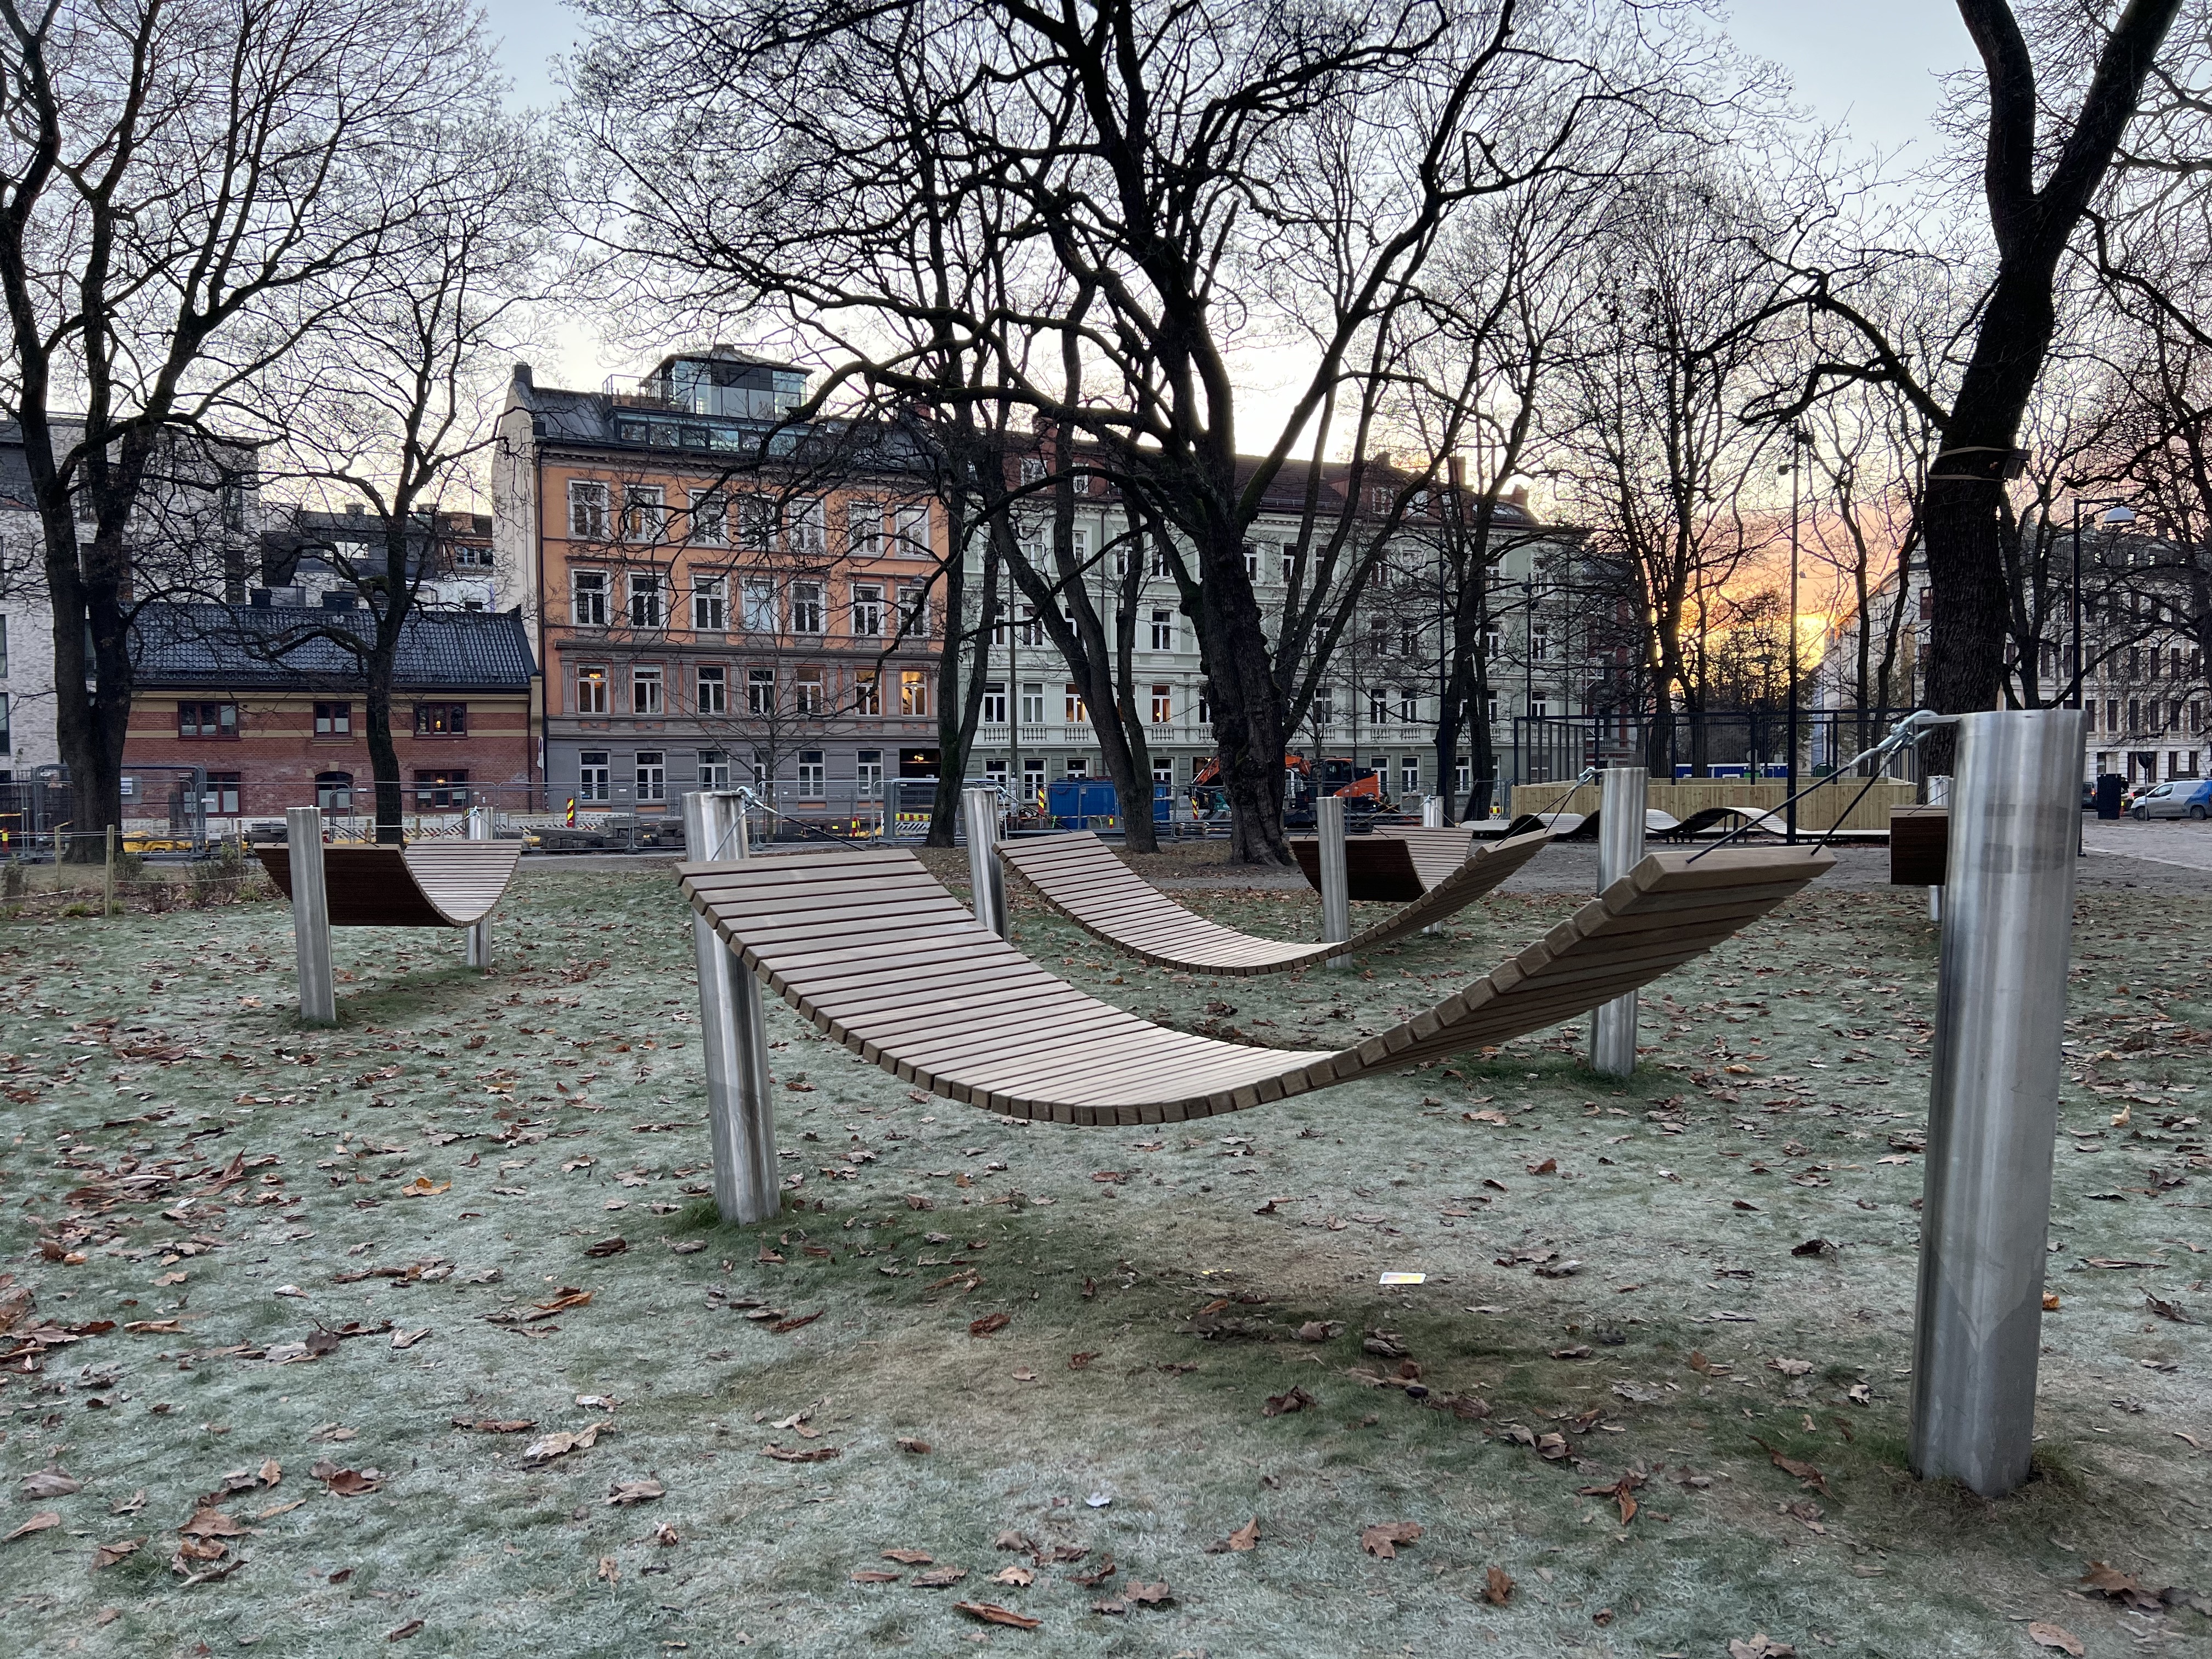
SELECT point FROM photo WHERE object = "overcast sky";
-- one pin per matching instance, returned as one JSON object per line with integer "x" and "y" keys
{"x": 1871, "y": 65}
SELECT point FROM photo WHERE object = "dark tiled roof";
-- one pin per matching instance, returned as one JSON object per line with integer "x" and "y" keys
{"x": 236, "y": 645}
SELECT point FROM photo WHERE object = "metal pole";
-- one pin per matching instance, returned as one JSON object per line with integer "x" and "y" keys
{"x": 1993, "y": 1110}
{"x": 107, "y": 880}
{"x": 1432, "y": 813}
{"x": 740, "y": 1113}
{"x": 2078, "y": 673}
{"x": 1797, "y": 445}
{"x": 311, "y": 917}
{"x": 987, "y": 876}
{"x": 479, "y": 934}
{"x": 1335, "y": 898}
{"x": 1623, "y": 791}
{"x": 1939, "y": 794}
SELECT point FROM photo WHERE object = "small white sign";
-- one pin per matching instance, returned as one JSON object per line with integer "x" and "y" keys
{"x": 1405, "y": 1278}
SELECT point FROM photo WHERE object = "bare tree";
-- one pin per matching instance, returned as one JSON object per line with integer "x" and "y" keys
{"x": 1167, "y": 183}
{"x": 184, "y": 184}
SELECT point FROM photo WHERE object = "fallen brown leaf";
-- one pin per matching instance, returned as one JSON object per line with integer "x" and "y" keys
{"x": 1151, "y": 1596}
{"x": 1280, "y": 1405}
{"x": 423, "y": 1187}
{"x": 797, "y": 1322}
{"x": 106, "y": 1555}
{"x": 2111, "y": 1583}
{"x": 917, "y": 1447}
{"x": 623, "y": 1494}
{"x": 38, "y": 1522}
{"x": 1619, "y": 1491}
{"x": 50, "y": 1482}
{"x": 1384, "y": 1540}
{"x": 560, "y": 1443}
{"x": 1805, "y": 1472}
{"x": 607, "y": 1247}
{"x": 937, "y": 1577}
{"x": 2055, "y": 1636}
{"x": 496, "y": 1425}
{"x": 1077, "y": 1362}
{"x": 212, "y": 1523}
{"x": 1764, "y": 1646}
{"x": 1497, "y": 1586}
{"x": 1246, "y": 1537}
{"x": 873, "y": 1576}
{"x": 990, "y": 1324}
{"x": 413, "y": 1625}
{"x": 801, "y": 1454}
{"x": 910, "y": 1558}
{"x": 1018, "y": 1576}
{"x": 991, "y": 1614}
{"x": 347, "y": 1483}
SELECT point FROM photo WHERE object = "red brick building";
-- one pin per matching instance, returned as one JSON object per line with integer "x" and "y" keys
{"x": 280, "y": 720}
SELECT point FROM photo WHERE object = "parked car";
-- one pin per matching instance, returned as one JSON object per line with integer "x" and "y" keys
{"x": 2180, "y": 798}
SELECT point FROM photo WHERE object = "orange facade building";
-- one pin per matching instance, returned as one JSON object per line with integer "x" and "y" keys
{"x": 706, "y": 616}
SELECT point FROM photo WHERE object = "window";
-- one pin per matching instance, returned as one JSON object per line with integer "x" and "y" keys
{"x": 1157, "y": 565}
{"x": 713, "y": 769}
{"x": 588, "y": 598}
{"x": 1378, "y": 705}
{"x": 807, "y": 692}
{"x": 2112, "y": 713}
{"x": 2196, "y": 717}
{"x": 864, "y": 529}
{"x": 760, "y": 692}
{"x": 1029, "y": 470}
{"x": 1409, "y": 639}
{"x": 809, "y": 534}
{"x": 645, "y": 690}
{"x": 442, "y": 790}
{"x": 591, "y": 776}
{"x": 994, "y": 703}
{"x": 868, "y": 775}
{"x": 1075, "y": 766}
{"x": 441, "y": 720}
{"x": 334, "y": 720}
{"x": 1490, "y": 642}
{"x": 652, "y": 766}
{"x": 645, "y": 514}
{"x": 757, "y": 596}
{"x": 648, "y": 600}
{"x": 2089, "y": 715}
{"x": 2173, "y": 716}
{"x": 1033, "y": 704}
{"x": 913, "y": 692}
{"x": 1409, "y": 776}
{"x": 1289, "y": 559}
{"x": 1163, "y": 772}
{"x": 1076, "y": 713}
{"x": 591, "y": 690}
{"x": 3, "y": 647}
{"x": 334, "y": 791}
{"x": 994, "y": 771}
{"x": 2154, "y": 662}
{"x": 2135, "y": 715}
{"x": 1409, "y": 705}
{"x": 7, "y": 739}
{"x": 1463, "y": 774}
{"x": 812, "y": 776}
{"x": 1029, "y": 630}
{"x": 472, "y": 557}
{"x": 757, "y": 523}
{"x": 1251, "y": 561}
{"x": 868, "y": 609}
{"x": 910, "y": 525}
{"x": 1204, "y": 709}
{"x": 1162, "y": 705}
{"x": 1032, "y": 776}
{"x": 806, "y": 607}
{"x": 714, "y": 691}
{"x": 2135, "y": 662}
{"x": 867, "y": 693}
{"x": 1163, "y": 630}
{"x": 710, "y": 519}
{"x": 914, "y": 609}
{"x": 207, "y": 719}
{"x": 223, "y": 792}
{"x": 710, "y": 604}
{"x": 2173, "y": 662}
{"x": 1539, "y": 642}
{"x": 1324, "y": 705}
{"x": 588, "y": 510}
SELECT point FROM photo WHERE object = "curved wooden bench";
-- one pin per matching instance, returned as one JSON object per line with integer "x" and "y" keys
{"x": 1391, "y": 866}
{"x": 1080, "y": 876}
{"x": 430, "y": 883}
{"x": 874, "y": 952}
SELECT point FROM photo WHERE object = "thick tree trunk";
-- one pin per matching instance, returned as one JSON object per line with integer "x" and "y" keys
{"x": 953, "y": 728}
{"x": 1249, "y": 729}
{"x": 383, "y": 752}
{"x": 92, "y": 690}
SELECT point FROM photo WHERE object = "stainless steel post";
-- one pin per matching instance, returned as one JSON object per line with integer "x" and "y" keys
{"x": 479, "y": 934}
{"x": 1432, "y": 813}
{"x": 2000, "y": 1010}
{"x": 985, "y": 875}
{"x": 1939, "y": 794}
{"x": 311, "y": 915}
{"x": 1623, "y": 792}
{"x": 1335, "y": 895}
{"x": 740, "y": 1113}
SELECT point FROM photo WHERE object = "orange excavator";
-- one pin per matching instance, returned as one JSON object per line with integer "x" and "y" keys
{"x": 1341, "y": 776}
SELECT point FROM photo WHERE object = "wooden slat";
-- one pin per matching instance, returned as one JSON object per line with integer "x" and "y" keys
{"x": 440, "y": 883}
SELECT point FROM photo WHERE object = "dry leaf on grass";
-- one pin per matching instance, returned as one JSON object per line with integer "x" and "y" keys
{"x": 1098, "y": 1575}
{"x": 347, "y": 1483}
{"x": 1278, "y": 1405}
{"x": 991, "y": 1614}
{"x": 910, "y": 1558}
{"x": 606, "y": 1247}
{"x": 1018, "y": 1576}
{"x": 50, "y": 1482}
{"x": 212, "y": 1523}
{"x": 1149, "y": 1595}
{"x": 873, "y": 1576}
{"x": 406, "y": 1630}
{"x": 801, "y": 1454}
{"x": 609, "y": 1573}
{"x": 1497, "y": 1586}
{"x": 1077, "y": 1362}
{"x": 1761, "y": 1646}
{"x": 784, "y": 1327}
{"x": 422, "y": 1187}
{"x": 918, "y": 1447}
{"x": 989, "y": 1324}
{"x": 2110, "y": 1582}
{"x": 624, "y": 1493}
{"x": 1805, "y": 1472}
{"x": 2055, "y": 1636}
{"x": 937, "y": 1577}
{"x": 38, "y": 1522}
{"x": 496, "y": 1425}
{"x": 560, "y": 1443}
{"x": 1246, "y": 1537}
{"x": 1619, "y": 1491}
{"x": 106, "y": 1555}
{"x": 1384, "y": 1540}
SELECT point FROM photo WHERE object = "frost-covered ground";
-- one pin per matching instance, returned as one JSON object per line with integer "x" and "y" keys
{"x": 387, "y": 1254}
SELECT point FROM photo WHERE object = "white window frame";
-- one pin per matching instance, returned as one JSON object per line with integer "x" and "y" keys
{"x": 710, "y": 604}
{"x": 589, "y": 594}
{"x": 590, "y": 506}
{"x": 713, "y": 690}
{"x": 649, "y": 690}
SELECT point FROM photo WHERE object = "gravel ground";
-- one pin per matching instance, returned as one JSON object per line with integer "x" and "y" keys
{"x": 512, "y": 1166}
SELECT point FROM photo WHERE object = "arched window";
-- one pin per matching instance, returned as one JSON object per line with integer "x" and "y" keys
{"x": 334, "y": 791}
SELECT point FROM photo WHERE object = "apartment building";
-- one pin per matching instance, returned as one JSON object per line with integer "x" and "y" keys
{"x": 705, "y": 616}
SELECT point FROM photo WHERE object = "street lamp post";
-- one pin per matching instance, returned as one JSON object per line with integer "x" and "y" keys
{"x": 1800, "y": 440}
{"x": 2117, "y": 513}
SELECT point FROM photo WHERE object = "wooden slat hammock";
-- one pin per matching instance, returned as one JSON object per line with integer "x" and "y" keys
{"x": 430, "y": 883}
{"x": 1393, "y": 866}
{"x": 874, "y": 952}
{"x": 1080, "y": 877}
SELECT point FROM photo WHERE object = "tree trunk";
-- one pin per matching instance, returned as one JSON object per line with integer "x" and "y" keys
{"x": 1248, "y": 726}
{"x": 954, "y": 725}
{"x": 383, "y": 752}
{"x": 92, "y": 693}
